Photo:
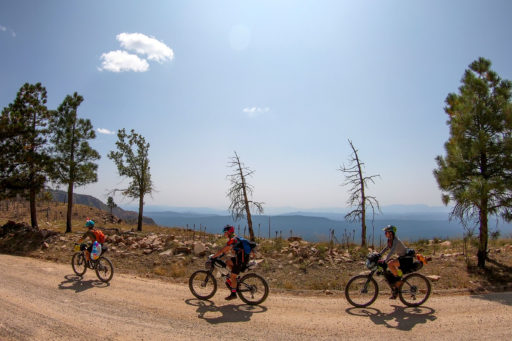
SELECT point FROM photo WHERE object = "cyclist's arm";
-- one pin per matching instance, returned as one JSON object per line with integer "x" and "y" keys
{"x": 391, "y": 250}
{"x": 222, "y": 251}
{"x": 85, "y": 235}
{"x": 384, "y": 250}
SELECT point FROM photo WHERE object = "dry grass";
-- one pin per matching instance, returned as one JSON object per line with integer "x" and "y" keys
{"x": 281, "y": 271}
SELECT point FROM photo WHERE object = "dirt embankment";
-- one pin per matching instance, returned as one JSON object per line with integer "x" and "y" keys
{"x": 42, "y": 300}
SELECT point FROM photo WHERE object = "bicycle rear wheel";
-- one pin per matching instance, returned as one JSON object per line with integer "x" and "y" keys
{"x": 78, "y": 263}
{"x": 202, "y": 284}
{"x": 252, "y": 289}
{"x": 414, "y": 290}
{"x": 104, "y": 269}
{"x": 361, "y": 291}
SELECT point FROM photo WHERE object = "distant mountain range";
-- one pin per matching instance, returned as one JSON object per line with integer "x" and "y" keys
{"x": 413, "y": 221}
{"x": 88, "y": 200}
{"x": 316, "y": 226}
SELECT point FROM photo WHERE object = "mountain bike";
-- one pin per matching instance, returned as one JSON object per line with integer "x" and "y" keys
{"x": 362, "y": 290}
{"x": 103, "y": 266}
{"x": 251, "y": 288}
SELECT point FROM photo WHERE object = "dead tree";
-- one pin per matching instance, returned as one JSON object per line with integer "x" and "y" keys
{"x": 358, "y": 197}
{"x": 240, "y": 193}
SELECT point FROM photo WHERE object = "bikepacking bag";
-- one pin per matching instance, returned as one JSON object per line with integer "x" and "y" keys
{"x": 96, "y": 250}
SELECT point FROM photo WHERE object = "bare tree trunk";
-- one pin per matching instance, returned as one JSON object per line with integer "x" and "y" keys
{"x": 246, "y": 201}
{"x": 141, "y": 207}
{"x": 482, "y": 244}
{"x": 33, "y": 211}
{"x": 70, "y": 207}
{"x": 363, "y": 198}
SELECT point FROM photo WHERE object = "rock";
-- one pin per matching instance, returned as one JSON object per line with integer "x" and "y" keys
{"x": 294, "y": 239}
{"x": 45, "y": 245}
{"x": 147, "y": 251}
{"x": 199, "y": 249}
{"x": 328, "y": 292}
{"x": 182, "y": 249}
{"x": 167, "y": 253}
{"x": 321, "y": 262}
{"x": 446, "y": 243}
{"x": 434, "y": 278}
{"x": 62, "y": 239}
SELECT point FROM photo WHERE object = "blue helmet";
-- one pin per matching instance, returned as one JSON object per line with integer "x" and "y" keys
{"x": 89, "y": 223}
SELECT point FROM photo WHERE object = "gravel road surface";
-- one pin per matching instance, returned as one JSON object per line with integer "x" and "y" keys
{"x": 41, "y": 300}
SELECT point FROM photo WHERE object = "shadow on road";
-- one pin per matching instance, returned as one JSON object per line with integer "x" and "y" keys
{"x": 76, "y": 283}
{"x": 502, "y": 297}
{"x": 228, "y": 313}
{"x": 402, "y": 318}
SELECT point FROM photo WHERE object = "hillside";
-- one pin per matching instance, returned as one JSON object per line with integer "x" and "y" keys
{"x": 88, "y": 200}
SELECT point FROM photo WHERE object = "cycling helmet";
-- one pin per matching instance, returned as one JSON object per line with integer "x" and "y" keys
{"x": 390, "y": 228}
{"x": 89, "y": 223}
{"x": 228, "y": 228}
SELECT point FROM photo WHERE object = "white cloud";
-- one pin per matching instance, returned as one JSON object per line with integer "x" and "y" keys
{"x": 3, "y": 28}
{"x": 105, "y": 131}
{"x": 255, "y": 111}
{"x": 119, "y": 61}
{"x": 144, "y": 45}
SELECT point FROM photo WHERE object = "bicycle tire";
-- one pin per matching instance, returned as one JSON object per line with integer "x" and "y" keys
{"x": 355, "y": 286}
{"x": 77, "y": 262}
{"x": 252, "y": 284}
{"x": 104, "y": 264}
{"x": 413, "y": 286}
{"x": 198, "y": 284}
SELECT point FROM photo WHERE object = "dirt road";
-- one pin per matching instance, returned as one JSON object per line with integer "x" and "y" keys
{"x": 46, "y": 301}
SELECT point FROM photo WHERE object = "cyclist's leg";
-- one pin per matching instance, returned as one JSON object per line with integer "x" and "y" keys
{"x": 88, "y": 253}
{"x": 393, "y": 265}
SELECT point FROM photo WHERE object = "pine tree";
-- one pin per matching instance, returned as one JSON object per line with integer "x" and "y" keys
{"x": 134, "y": 165}
{"x": 476, "y": 172}
{"x": 111, "y": 204}
{"x": 23, "y": 145}
{"x": 73, "y": 156}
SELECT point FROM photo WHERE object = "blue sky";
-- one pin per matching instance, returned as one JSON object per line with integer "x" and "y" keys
{"x": 282, "y": 83}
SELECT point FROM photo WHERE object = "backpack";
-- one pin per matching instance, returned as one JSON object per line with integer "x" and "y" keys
{"x": 100, "y": 236}
{"x": 244, "y": 244}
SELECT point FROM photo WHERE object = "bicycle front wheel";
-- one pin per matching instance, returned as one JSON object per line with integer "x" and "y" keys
{"x": 414, "y": 290}
{"x": 361, "y": 291}
{"x": 202, "y": 284}
{"x": 78, "y": 263}
{"x": 252, "y": 289}
{"x": 104, "y": 269}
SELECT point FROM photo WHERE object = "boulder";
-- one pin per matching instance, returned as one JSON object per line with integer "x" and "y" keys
{"x": 294, "y": 239}
{"x": 147, "y": 251}
{"x": 446, "y": 243}
{"x": 182, "y": 249}
{"x": 199, "y": 249}
{"x": 167, "y": 253}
